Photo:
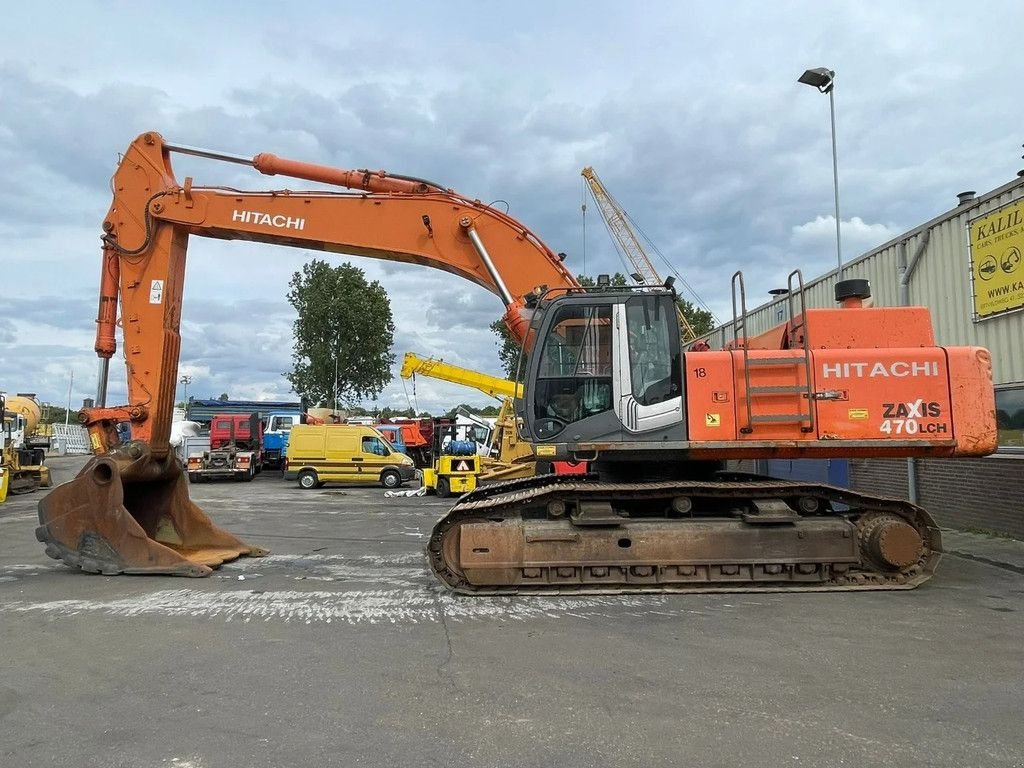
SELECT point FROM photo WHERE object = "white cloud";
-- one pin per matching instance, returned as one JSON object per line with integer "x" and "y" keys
{"x": 857, "y": 235}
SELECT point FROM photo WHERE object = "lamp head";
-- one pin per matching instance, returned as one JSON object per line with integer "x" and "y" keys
{"x": 821, "y": 78}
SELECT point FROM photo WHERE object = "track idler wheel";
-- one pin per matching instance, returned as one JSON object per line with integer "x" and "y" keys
{"x": 890, "y": 542}
{"x": 127, "y": 512}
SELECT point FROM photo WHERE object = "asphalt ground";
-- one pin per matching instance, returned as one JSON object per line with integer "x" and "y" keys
{"x": 340, "y": 649}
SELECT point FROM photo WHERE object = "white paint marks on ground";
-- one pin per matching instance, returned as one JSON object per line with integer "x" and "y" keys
{"x": 374, "y": 606}
{"x": 184, "y": 762}
{"x": 400, "y": 571}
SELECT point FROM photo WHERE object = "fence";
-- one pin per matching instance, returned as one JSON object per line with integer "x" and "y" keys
{"x": 70, "y": 439}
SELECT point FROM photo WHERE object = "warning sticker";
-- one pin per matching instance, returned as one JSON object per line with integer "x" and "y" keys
{"x": 857, "y": 414}
{"x": 156, "y": 292}
{"x": 463, "y": 466}
{"x": 95, "y": 440}
{"x": 712, "y": 419}
{"x": 545, "y": 450}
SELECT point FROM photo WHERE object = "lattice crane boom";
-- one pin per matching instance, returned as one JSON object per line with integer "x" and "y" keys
{"x": 627, "y": 241}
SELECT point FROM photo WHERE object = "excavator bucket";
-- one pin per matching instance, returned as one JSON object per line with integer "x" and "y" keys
{"x": 127, "y": 512}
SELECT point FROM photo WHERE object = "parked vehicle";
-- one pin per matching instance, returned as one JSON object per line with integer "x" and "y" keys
{"x": 236, "y": 449}
{"x": 344, "y": 453}
{"x": 21, "y": 461}
{"x": 456, "y": 464}
{"x": 411, "y": 438}
{"x": 277, "y": 427}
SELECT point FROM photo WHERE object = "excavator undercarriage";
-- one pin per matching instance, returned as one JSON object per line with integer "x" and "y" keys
{"x": 577, "y": 535}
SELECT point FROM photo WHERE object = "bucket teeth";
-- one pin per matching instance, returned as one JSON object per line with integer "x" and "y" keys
{"x": 126, "y": 512}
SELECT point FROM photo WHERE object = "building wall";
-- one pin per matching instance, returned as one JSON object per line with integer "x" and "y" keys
{"x": 980, "y": 494}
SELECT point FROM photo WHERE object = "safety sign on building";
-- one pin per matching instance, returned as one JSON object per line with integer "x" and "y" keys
{"x": 997, "y": 252}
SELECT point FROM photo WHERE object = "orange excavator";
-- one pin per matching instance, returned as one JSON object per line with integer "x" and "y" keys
{"x": 606, "y": 379}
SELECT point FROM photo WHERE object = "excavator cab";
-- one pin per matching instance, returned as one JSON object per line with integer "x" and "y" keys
{"x": 606, "y": 368}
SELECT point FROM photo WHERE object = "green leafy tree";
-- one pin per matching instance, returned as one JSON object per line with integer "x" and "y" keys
{"x": 699, "y": 319}
{"x": 344, "y": 324}
{"x": 618, "y": 280}
{"x": 487, "y": 410}
{"x": 508, "y": 348}
{"x": 393, "y": 413}
{"x": 223, "y": 397}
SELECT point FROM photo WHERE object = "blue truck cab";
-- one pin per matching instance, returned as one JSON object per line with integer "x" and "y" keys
{"x": 393, "y": 433}
{"x": 278, "y": 425}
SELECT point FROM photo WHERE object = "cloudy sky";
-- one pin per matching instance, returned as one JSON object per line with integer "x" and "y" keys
{"x": 690, "y": 112}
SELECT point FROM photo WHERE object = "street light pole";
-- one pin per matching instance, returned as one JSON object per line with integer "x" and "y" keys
{"x": 835, "y": 181}
{"x": 824, "y": 80}
{"x": 186, "y": 380}
{"x": 67, "y": 412}
{"x": 337, "y": 343}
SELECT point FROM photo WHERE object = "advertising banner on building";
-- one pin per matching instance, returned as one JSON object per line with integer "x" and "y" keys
{"x": 997, "y": 260}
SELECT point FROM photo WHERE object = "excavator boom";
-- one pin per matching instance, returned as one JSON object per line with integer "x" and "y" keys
{"x": 137, "y": 517}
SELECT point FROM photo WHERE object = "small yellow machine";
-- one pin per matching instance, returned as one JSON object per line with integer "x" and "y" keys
{"x": 456, "y": 466}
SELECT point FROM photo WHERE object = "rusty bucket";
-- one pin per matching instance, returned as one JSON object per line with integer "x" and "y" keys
{"x": 128, "y": 512}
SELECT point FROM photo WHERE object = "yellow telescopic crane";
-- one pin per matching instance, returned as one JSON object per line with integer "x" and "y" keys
{"x": 627, "y": 242}
{"x": 439, "y": 369}
{"x": 513, "y": 458}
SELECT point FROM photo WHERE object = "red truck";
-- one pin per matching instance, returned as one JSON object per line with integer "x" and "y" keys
{"x": 236, "y": 449}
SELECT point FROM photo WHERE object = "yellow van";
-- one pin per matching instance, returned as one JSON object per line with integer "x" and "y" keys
{"x": 344, "y": 453}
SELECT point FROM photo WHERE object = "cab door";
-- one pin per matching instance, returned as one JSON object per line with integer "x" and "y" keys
{"x": 647, "y": 364}
{"x": 375, "y": 455}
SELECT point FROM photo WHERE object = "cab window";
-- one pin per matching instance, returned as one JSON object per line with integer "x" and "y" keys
{"x": 654, "y": 364}
{"x": 574, "y": 378}
{"x": 282, "y": 423}
{"x": 376, "y": 446}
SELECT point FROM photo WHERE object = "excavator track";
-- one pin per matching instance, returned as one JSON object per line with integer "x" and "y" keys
{"x": 577, "y": 535}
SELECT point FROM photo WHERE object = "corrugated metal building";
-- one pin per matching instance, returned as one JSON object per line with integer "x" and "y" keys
{"x": 933, "y": 262}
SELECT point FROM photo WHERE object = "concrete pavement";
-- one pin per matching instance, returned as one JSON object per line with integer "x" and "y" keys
{"x": 340, "y": 649}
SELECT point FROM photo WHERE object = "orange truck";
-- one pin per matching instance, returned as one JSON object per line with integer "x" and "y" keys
{"x": 606, "y": 379}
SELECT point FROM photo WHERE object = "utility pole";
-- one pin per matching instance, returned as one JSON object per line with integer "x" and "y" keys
{"x": 337, "y": 341}
{"x": 67, "y": 412}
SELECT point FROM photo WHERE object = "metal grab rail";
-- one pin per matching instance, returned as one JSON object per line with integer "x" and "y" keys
{"x": 738, "y": 324}
{"x": 793, "y": 327}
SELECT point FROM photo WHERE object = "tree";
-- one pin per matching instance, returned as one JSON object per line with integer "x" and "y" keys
{"x": 344, "y": 324}
{"x": 223, "y": 397}
{"x": 487, "y": 410}
{"x": 699, "y": 319}
{"x": 618, "y": 280}
{"x": 508, "y": 348}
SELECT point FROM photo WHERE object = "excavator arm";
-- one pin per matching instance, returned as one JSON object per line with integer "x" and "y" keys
{"x": 391, "y": 218}
{"x": 128, "y": 511}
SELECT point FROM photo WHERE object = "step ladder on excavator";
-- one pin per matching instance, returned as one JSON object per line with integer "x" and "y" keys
{"x": 757, "y": 398}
